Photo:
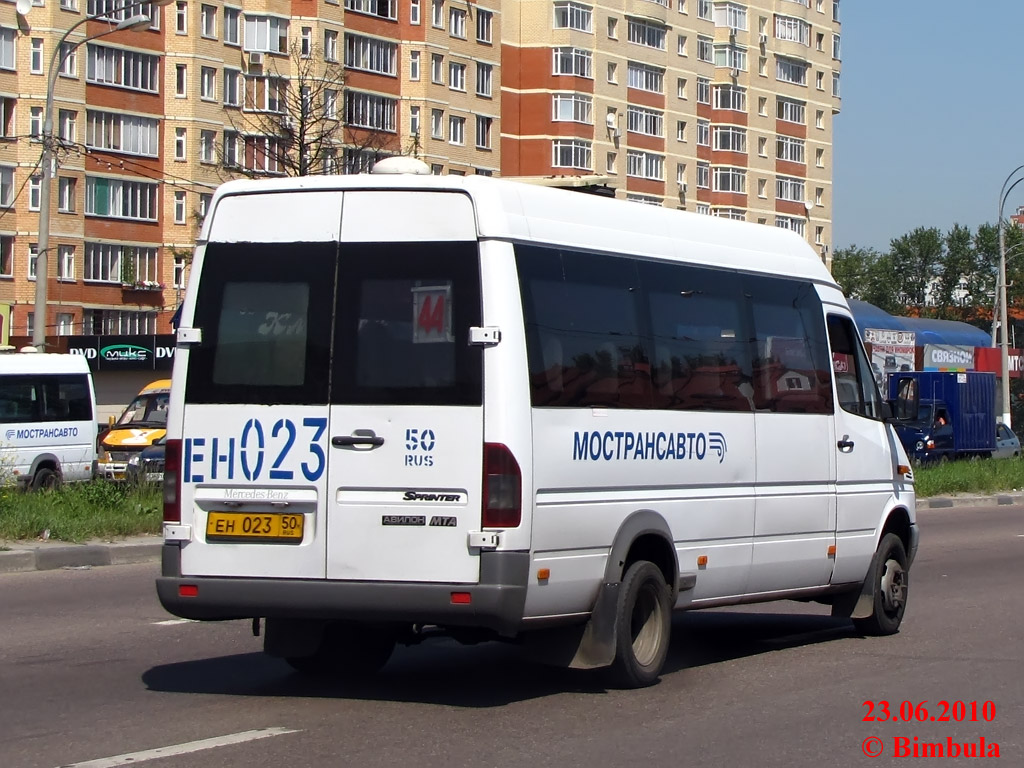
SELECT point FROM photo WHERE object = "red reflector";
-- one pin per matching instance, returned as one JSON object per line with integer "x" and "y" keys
{"x": 188, "y": 590}
{"x": 461, "y": 598}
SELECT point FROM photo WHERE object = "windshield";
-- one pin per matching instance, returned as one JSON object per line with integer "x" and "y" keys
{"x": 146, "y": 411}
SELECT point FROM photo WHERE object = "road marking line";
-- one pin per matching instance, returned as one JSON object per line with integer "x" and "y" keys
{"x": 173, "y": 622}
{"x": 181, "y": 749}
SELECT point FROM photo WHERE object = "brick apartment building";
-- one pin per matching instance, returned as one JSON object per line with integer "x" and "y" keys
{"x": 723, "y": 108}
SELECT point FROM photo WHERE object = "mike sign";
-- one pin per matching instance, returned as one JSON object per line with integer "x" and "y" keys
{"x": 125, "y": 353}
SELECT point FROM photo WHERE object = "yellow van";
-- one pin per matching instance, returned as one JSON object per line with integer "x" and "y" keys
{"x": 143, "y": 421}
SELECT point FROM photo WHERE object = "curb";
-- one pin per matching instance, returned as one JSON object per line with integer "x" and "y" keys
{"x": 31, "y": 556}
{"x": 27, "y": 557}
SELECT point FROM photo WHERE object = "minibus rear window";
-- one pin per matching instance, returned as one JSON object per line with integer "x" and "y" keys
{"x": 265, "y": 314}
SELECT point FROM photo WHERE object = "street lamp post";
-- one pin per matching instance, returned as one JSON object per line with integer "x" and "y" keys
{"x": 46, "y": 162}
{"x": 1005, "y": 354}
{"x": 995, "y": 295}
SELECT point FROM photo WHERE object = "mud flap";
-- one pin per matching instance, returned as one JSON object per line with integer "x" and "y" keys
{"x": 597, "y": 646}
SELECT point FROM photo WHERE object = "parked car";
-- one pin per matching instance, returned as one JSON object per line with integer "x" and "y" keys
{"x": 1007, "y": 443}
{"x": 147, "y": 465}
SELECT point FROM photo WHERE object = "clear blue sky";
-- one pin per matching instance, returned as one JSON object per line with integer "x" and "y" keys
{"x": 932, "y": 116}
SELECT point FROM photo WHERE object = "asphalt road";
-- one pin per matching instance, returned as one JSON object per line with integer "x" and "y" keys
{"x": 92, "y": 669}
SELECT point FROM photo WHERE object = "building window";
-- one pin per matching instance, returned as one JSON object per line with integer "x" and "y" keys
{"x": 569, "y": 15}
{"x": 120, "y": 198}
{"x": 35, "y": 65}
{"x": 645, "y": 77}
{"x": 268, "y": 34}
{"x": 484, "y": 23}
{"x": 457, "y": 23}
{"x": 703, "y": 90}
{"x": 181, "y": 17}
{"x": 178, "y": 280}
{"x": 437, "y": 14}
{"x": 129, "y": 134}
{"x": 730, "y": 138}
{"x": 705, "y": 48}
{"x": 207, "y": 146}
{"x": 123, "y": 69}
{"x": 646, "y": 33}
{"x": 762, "y": 146}
{"x": 34, "y": 192}
{"x": 179, "y": 207}
{"x": 793, "y": 30}
{"x": 791, "y": 223}
{"x": 414, "y": 65}
{"x": 730, "y": 97}
{"x": 762, "y": 188}
{"x": 613, "y": 70}
{"x": 649, "y": 122}
{"x": 483, "y": 132}
{"x": 819, "y": 80}
{"x": 789, "y": 149}
{"x": 414, "y": 121}
{"x": 372, "y": 55}
{"x": 732, "y": 15}
{"x": 330, "y": 45}
{"x": 704, "y": 9}
{"x": 681, "y": 87}
{"x": 365, "y": 110}
{"x": 116, "y": 322}
{"x": 232, "y": 19}
{"x": 232, "y": 91}
{"x": 208, "y": 20}
{"x": 732, "y": 56}
{"x": 835, "y": 84}
{"x": 819, "y": 158}
{"x": 66, "y": 262}
{"x": 179, "y": 144}
{"x": 306, "y": 42}
{"x": 208, "y": 83}
{"x": 456, "y": 130}
{"x": 67, "y": 125}
{"x": 66, "y": 194}
{"x": 65, "y": 324}
{"x": 645, "y": 165}
{"x": 180, "y": 80}
{"x": 704, "y": 133}
{"x": 231, "y": 153}
{"x": 703, "y": 175}
{"x": 456, "y": 76}
{"x": 791, "y": 189}
{"x": 572, "y": 61}
{"x": 436, "y": 68}
{"x": 483, "y": 79}
{"x": 414, "y": 12}
{"x": 382, "y": 9}
{"x": 571, "y": 153}
{"x": 330, "y": 104}
{"x": 790, "y": 71}
{"x": 681, "y": 45}
{"x": 728, "y": 179}
{"x": 680, "y": 130}
{"x": 437, "y": 123}
{"x": 790, "y": 110}
{"x": 572, "y": 107}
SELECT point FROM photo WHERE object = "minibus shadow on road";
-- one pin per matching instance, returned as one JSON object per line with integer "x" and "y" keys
{"x": 494, "y": 674}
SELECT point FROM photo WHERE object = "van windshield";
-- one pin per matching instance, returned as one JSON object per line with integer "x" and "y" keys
{"x": 148, "y": 410}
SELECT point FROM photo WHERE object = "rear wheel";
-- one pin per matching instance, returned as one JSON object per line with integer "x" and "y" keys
{"x": 350, "y": 651}
{"x": 643, "y": 625}
{"x": 45, "y": 479}
{"x": 889, "y": 583}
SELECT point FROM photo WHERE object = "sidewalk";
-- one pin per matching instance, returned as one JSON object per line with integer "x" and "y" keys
{"x": 50, "y": 555}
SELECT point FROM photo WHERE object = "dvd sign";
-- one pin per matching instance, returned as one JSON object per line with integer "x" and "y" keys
{"x": 125, "y": 353}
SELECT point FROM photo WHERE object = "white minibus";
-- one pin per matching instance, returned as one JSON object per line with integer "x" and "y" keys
{"x": 405, "y": 405}
{"x": 47, "y": 419}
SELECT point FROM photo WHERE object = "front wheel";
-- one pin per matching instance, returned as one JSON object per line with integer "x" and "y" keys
{"x": 643, "y": 625}
{"x": 45, "y": 479}
{"x": 889, "y": 578}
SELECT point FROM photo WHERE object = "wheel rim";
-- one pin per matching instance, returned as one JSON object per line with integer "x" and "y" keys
{"x": 645, "y": 625}
{"x": 894, "y": 587}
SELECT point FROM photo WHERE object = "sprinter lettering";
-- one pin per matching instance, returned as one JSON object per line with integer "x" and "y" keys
{"x": 648, "y": 446}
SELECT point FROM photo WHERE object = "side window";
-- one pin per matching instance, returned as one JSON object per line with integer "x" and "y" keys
{"x": 265, "y": 313}
{"x": 791, "y": 362}
{"x": 855, "y": 382}
{"x": 701, "y": 356}
{"x": 583, "y": 324}
{"x": 65, "y": 398}
{"x": 18, "y": 400}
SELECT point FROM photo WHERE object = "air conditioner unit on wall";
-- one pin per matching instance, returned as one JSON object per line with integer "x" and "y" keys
{"x": 256, "y": 59}
{"x": 734, "y": 73}
{"x": 762, "y": 39}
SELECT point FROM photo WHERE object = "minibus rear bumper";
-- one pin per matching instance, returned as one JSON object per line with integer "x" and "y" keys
{"x": 496, "y": 602}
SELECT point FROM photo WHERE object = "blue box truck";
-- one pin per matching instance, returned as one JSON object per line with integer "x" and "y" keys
{"x": 944, "y": 415}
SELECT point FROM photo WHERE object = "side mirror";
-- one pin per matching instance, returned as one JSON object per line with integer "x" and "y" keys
{"x": 885, "y": 411}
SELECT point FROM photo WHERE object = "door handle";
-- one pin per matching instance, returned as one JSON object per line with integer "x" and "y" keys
{"x": 846, "y": 444}
{"x": 359, "y": 437}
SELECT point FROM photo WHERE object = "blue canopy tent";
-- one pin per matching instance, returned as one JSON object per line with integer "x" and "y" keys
{"x": 928, "y": 330}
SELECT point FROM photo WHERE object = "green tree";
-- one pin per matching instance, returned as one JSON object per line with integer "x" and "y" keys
{"x": 866, "y": 274}
{"x": 916, "y": 258}
{"x": 949, "y": 301}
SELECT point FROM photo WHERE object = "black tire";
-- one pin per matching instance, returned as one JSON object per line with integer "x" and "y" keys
{"x": 45, "y": 479}
{"x": 348, "y": 651}
{"x": 643, "y": 625}
{"x": 889, "y": 578}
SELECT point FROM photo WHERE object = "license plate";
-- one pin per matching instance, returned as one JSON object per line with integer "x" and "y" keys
{"x": 249, "y": 526}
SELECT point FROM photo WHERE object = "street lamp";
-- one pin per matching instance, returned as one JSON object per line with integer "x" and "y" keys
{"x": 995, "y": 303}
{"x": 1005, "y": 354}
{"x": 47, "y": 159}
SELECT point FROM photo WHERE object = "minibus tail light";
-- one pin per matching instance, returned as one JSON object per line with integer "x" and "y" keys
{"x": 503, "y": 488}
{"x": 172, "y": 481}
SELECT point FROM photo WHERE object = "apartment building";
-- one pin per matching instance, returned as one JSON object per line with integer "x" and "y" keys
{"x": 723, "y": 108}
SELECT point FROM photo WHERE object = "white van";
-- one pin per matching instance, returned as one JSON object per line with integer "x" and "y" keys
{"x": 47, "y": 419}
{"x": 404, "y": 405}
